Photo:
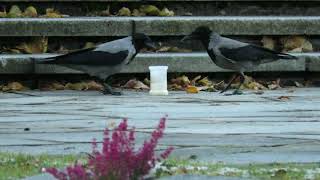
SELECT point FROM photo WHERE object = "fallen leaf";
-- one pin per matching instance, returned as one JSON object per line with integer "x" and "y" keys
{"x": 166, "y": 12}
{"x": 135, "y": 84}
{"x": 52, "y": 13}
{"x": 205, "y": 82}
{"x": 146, "y": 81}
{"x": 172, "y": 49}
{"x": 14, "y": 86}
{"x": 124, "y": 12}
{"x": 194, "y": 80}
{"x": 176, "y": 87}
{"x": 37, "y": 45}
{"x": 150, "y": 10}
{"x": 192, "y": 89}
{"x": 105, "y": 12}
{"x": 77, "y": 86}
{"x": 250, "y": 83}
{"x": 92, "y": 85}
{"x": 274, "y": 85}
{"x": 89, "y": 45}
{"x": 284, "y": 98}
{"x": 3, "y": 14}
{"x": 255, "y": 86}
{"x": 14, "y": 12}
{"x": 163, "y": 49}
{"x": 182, "y": 81}
{"x": 57, "y": 86}
{"x": 136, "y": 12}
{"x": 30, "y": 12}
{"x": 296, "y": 44}
{"x": 268, "y": 42}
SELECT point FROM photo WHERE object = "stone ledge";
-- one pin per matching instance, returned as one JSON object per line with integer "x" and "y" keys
{"x": 149, "y": 0}
{"x": 177, "y": 62}
{"x": 160, "y": 26}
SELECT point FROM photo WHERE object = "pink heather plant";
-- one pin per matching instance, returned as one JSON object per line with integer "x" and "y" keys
{"x": 118, "y": 159}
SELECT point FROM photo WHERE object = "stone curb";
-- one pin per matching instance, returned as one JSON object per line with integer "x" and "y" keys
{"x": 177, "y": 62}
{"x": 160, "y": 26}
{"x": 148, "y": 0}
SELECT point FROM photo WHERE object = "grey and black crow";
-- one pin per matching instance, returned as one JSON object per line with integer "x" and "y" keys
{"x": 105, "y": 59}
{"x": 232, "y": 54}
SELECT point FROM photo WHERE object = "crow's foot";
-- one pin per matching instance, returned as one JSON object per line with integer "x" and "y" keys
{"x": 108, "y": 90}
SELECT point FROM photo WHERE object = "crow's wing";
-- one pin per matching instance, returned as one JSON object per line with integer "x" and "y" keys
{"x": 252, "y": 53}
{"x": 88, "y": 57}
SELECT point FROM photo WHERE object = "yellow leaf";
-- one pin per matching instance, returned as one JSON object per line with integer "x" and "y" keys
{"x": 105, "y": 12}
{"x": 296, "y": 43}
{"x": 76, "y": 86}
{"x": 15, "y": 86}
{"x": 36, "y": 45}
{"x": 205, "y": 82}
{"x": 192, "y": 89}
{"x": 150, "y": 10}
{"x": 30, "y": 12}
{"x": 124, "y": 12}
{"x": 57, "y": 86}
{"x": 14, "y": 12}
{"x": 166, "y": 12}
{"x": 175, "y": 87}
{"x": 146, "y": 81}
{"x": 194, "y": 80}
{"x": 268, "y": 42}
{"x": 136, "y": 12}
{"x": 3, "y": 14}
{"x": 51, "y": 13}
{"x": 92, "y": 85}
{"x": 88, "y": 45}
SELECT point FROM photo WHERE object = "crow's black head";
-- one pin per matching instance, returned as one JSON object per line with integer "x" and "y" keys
{"x": 141, "y": 40}
{"x": 200, "y": 33}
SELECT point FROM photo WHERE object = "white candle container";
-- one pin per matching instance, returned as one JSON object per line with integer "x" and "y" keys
{"x": 158, "y": 80}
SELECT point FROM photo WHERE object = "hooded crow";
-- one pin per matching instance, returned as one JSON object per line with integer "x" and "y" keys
{"x": 234, "y": 55}
{"x": 105, "y": 59}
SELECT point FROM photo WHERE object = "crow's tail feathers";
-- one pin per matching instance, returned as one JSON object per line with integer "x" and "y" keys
{"x": 286, "y": 56}
{"x": 48, "y": 60}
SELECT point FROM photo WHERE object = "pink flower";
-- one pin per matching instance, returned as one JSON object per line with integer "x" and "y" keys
{"x": 118, "y": 159}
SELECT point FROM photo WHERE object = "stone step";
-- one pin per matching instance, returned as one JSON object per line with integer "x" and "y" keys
{"x": 151, "y": 0}
{"x": 177, "y": 62}
{"x": 160, "y": 26}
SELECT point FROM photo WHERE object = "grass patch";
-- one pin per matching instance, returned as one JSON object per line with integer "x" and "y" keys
{"x": 274, "y": 171}
{"x": 15, "y": 166}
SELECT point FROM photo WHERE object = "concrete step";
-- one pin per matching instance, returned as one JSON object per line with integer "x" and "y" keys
{"x": 160, "y": 26}
{"x": 151, "y": 0}
{"x": 177, "y": 62}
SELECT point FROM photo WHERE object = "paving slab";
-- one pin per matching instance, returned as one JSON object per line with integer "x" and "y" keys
{"x": 240, "y": 129}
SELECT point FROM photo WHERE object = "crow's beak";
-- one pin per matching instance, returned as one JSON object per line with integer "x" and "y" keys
{"x": 150, "y": 44}
{"x": 186, "y": 38}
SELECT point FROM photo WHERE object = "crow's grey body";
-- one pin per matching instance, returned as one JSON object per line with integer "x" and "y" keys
{"x": 102, "y": 61}
{"x": 232, "y": 54}
{"x": 105, "y": 59}
{"x": 239, "y": 56}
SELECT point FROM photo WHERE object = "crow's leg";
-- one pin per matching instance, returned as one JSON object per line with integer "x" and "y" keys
{"x": 238, "y": 91}
{"x": 229, "y": 84}
{"x": 108, "y": 89}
